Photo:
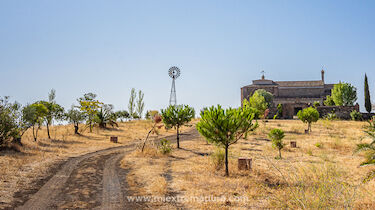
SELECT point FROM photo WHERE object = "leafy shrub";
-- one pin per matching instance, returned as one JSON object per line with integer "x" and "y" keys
{"x": 165, "y": 146}
{"x": 355, "y": 115}
{"x": 319, "y": 145}
{"x": 331, "y": 116}
{"x": 218, "y": 158}
{"x": 316, "y": 104}
{"x": 279, "y": 113}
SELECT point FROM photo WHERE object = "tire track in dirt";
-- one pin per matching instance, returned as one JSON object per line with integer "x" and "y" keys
{"x": 112, "y": 196}
{"x": 45, "y": 197}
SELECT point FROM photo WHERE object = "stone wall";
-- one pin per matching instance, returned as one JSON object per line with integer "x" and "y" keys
{"x": 342, "y": 112}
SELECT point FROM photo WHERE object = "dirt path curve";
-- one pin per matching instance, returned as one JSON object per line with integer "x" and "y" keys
{"x": 66, "y": 184}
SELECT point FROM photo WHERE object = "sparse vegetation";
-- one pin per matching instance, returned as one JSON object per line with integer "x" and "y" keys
{"x": 75, "y": 117}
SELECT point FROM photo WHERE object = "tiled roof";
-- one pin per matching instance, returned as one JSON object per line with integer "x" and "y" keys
{"x": 300, "y": 83}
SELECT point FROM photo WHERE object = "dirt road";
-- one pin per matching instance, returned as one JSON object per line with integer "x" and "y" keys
{"x": 89, "y": 181}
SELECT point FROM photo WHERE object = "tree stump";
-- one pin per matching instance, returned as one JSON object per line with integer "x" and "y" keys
{"x": 293, "y": 144}
{"x": 244, "y": 163}
{"x": 114, "y": 139}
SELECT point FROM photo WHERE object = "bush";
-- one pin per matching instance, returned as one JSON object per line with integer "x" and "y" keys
{"x": 218, "y": 158}
{"x": 331, "y": 116}
{"x": 165, "y": 147}
{"x": 319, "y": 145}
{"x": 355, "y": 115}
{"x": 329, "y": 101}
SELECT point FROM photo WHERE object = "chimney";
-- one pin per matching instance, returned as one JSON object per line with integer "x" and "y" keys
{"x": 323, "y": 75}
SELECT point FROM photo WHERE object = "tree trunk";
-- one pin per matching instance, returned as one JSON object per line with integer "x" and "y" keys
{"x": 226, "y": 161}
{"x": 34, "y": 133}
{"x": 309, "y": 127}
{"x": 49, "y": 137}
{"x": 76, "y": 128}
{"x": 280, "y": 153}
{"x": 178, "y": 137}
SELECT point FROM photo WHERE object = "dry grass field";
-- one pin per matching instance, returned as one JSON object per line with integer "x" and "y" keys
{"x": 19, "y": 170}
{"x": 322, "y": 172}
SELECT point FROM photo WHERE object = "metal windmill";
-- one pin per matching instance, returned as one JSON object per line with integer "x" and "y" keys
{"x": 174, "y": 73}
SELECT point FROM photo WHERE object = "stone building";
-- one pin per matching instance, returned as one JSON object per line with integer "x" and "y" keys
{"x": 293, "y": 95}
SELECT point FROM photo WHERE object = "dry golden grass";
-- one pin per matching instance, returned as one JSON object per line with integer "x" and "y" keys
{"x": 19, "y": 169}
{"x": 311, "y": 176}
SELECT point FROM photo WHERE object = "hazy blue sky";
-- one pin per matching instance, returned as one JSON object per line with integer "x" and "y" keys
{"x": 108, "y": 47}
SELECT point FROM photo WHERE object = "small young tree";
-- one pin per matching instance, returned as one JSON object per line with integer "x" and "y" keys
{"x": 368, "y": 104}
{"x": 34, "y": 114}
{"x": 277, "y": 135}
{"x": 309, "y": 116}
{"x": 175, "y": 116}
{"x": 131, "y": 105}
{"x": 226, "y": 127}
{"x": 90, "y": 107}
{"x": 140, "y": 104}
{"x": 157, "y": 119}
{"x": 76, "y": 117}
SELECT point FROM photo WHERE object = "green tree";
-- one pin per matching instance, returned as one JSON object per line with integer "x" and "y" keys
{"x": 344, "y": 94}
{"x": 90, "y": 107}
{"x": 175, "y": 116}
{"x": 54, "y": 110}
{"x": 277, "y": 135}
{"x": 122, "y": 115}
{"x": 268, "y": 97}
{"x": 75, "y": 117}
{"x": 309, "y": 116}
{"x": 12, "y": 125}
{"x": 105, "y": 116}
{"x": 258, "y": 102}
{"x": 140, "y": 104}
{"x": 34, "y": 114}
{"x": 329, "y": 101}
{"x": 369, "y": 149}
{"x": 131, "y": 105}
{"x": 368, "y": 104}
{"x": 226, "y": 127}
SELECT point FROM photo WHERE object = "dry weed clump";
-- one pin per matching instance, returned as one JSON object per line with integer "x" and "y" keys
{"x": 315, "y": 187}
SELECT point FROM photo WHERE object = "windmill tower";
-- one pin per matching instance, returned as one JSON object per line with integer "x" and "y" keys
{"x": 174, "y": 73}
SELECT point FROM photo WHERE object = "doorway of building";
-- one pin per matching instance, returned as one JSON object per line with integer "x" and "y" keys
{"x": 296, "y": 110}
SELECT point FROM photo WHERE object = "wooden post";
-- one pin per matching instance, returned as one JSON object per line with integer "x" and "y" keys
{"x": 114, "y": 139}
{"x": 293, "y": 144}
{"x": 244, "y": 163}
